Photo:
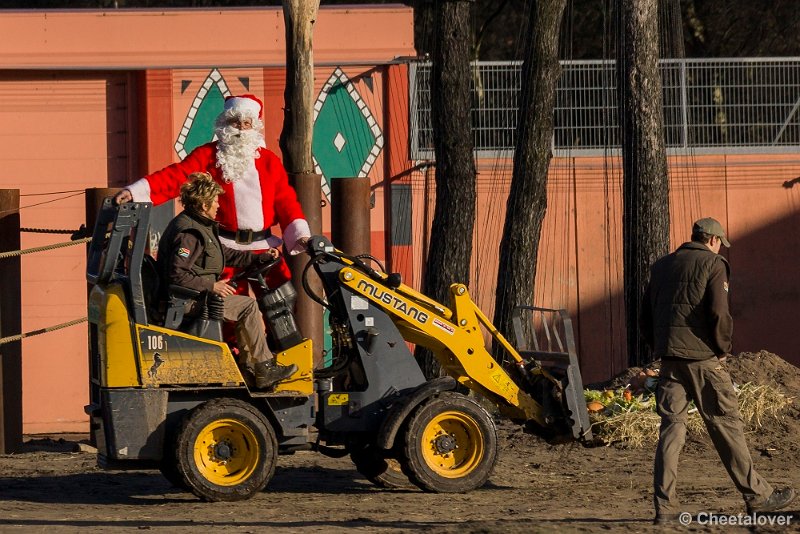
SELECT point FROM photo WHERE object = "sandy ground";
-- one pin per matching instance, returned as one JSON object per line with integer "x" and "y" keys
{"x": 535, "y": 488}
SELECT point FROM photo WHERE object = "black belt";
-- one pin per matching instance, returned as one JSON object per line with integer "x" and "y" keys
{"x": 245, "y": 237}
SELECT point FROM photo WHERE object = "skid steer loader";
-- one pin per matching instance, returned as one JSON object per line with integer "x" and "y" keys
{"x": 166, "y": 393}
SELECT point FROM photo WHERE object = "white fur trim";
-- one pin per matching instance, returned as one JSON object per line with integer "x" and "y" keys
{"x": 297, "y": 228}
{"x": 245, "y": 106}
{"x": 140, "y": 190}
{"x": 247, "y": 196}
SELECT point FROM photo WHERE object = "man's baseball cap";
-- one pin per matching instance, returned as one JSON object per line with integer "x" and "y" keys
{"x": 711, "y": 227}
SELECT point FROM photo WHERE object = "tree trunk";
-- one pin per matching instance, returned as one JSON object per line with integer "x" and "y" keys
{"x": 527, "y": 200}
{"x": 454, "y": 216}
{"x": 298, "y": 122}
{"x": 644, "y": 161}
{"x": 298, "y": 116}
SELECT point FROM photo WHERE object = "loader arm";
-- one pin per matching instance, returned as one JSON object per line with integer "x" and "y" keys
{"x": 522, "y": 389}
{"x": 454, "y": 337}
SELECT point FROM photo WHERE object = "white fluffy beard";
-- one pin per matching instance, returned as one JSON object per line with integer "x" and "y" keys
{"x": 236, "y": 151}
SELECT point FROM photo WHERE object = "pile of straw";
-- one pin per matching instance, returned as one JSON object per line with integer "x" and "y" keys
{"x": 637, "y": 425}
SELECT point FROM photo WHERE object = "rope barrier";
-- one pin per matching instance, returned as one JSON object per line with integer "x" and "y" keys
{"x": 13, "y": 253}
{"x": 47, "y": 231}
{"x": 52, "y": 193}
{"x": 77, "y": 240}
{"x": 15, "y": 210}
{"x": 19, "y": 337}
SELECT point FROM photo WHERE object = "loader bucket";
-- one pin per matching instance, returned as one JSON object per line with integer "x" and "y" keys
{"x": 545, "y": 341}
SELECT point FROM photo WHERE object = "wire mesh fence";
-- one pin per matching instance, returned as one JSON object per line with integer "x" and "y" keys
{"x": 721, "y": 105}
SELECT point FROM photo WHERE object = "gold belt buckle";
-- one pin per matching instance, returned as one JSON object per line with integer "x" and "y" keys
{"x": 244, "y": 240}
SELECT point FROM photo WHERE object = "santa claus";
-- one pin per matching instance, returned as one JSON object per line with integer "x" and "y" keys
{"x": 257, "y": 194}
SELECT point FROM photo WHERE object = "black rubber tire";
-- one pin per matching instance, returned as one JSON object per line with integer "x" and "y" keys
{"x": 381, "y": 471}
{"x": 447, "y": 420}
{"x": 237, "y": 429}
{"x": 173, "y": 475}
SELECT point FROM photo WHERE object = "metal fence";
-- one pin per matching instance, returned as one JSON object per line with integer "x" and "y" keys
{"x": 710, "y": 106}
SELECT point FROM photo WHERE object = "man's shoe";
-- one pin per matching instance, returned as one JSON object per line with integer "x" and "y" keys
{"x": 666, "y": 519}
{"x": 270, "y": 373}
{"x": 778, "y": 500}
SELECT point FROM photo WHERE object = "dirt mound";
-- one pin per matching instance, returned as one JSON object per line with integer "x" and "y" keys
{"x": 776, "y": 437}
{"x": 765, "y": 368}
{"x": 762, "y": 368}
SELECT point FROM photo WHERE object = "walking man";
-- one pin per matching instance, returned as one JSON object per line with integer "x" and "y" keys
{"x": 688, "y": 325}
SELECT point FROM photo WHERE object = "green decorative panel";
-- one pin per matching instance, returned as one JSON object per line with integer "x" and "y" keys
{"x": 347, "y": 138}
{"x": 198, "y": 126}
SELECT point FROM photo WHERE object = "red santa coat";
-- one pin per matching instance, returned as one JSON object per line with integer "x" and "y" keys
{"x": 260, "y": 203}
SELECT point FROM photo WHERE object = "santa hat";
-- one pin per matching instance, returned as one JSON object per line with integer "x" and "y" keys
{"x": 245, "y": 105}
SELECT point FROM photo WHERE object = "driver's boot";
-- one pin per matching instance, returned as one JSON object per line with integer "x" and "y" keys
{"x": 270, "y": 373}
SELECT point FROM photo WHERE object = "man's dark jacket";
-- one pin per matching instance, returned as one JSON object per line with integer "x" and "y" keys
{"x": 685, "y": 310}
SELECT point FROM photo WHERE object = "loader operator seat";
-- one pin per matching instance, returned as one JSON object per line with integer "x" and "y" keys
{"x": 166, "y": 308}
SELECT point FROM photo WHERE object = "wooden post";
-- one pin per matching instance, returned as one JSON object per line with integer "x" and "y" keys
{"x": 10, "y": 325}
{"x": 298, "y": 116}
{"x": 298, "y": 122}
{"x": 350, "y": 225}
{"x": 307, "y": 312}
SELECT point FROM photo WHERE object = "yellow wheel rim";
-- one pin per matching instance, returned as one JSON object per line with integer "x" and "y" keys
{"x": 452, "y": 444}
{"x": 226, "y": 452}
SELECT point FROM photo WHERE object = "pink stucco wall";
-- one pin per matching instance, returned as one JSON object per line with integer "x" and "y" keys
{"x": 158, "y": 38}
{"x": 580, "y": 265}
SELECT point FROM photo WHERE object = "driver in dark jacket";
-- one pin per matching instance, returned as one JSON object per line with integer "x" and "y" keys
{"x": 191, "y": 256}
